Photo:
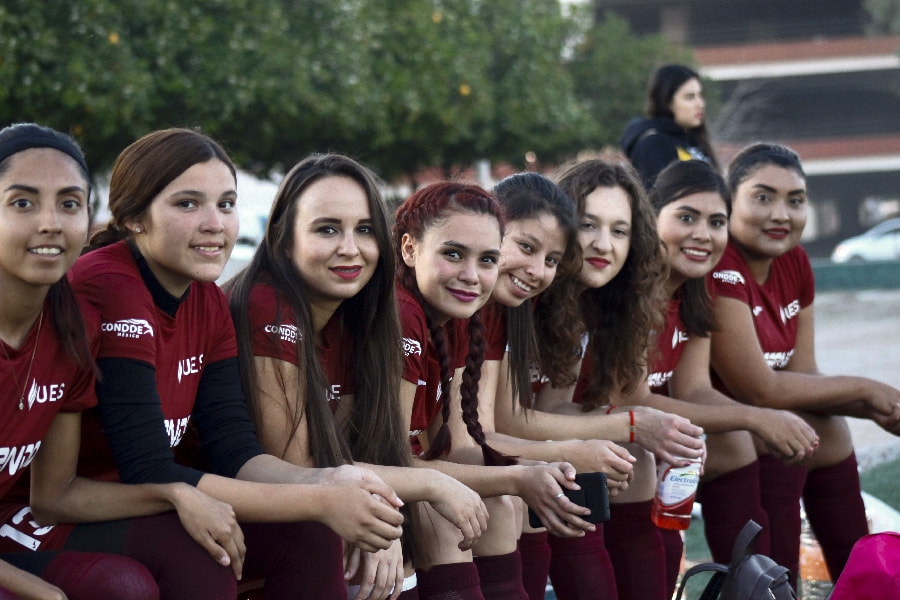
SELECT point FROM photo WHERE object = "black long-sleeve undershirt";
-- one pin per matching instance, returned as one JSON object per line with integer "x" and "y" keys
{"x": 133, "y": 421}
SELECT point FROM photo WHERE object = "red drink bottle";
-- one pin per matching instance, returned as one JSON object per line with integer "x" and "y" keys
{"x": 675, "y": 493}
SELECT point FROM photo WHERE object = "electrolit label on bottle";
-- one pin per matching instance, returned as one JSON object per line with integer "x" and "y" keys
{"x": 678, "y": 484}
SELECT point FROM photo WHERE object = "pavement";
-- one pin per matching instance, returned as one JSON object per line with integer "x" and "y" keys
{"x": 858, "y": 333}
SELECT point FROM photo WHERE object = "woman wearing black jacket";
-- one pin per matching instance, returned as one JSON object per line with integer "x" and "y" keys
{"x": 675, "y": 129}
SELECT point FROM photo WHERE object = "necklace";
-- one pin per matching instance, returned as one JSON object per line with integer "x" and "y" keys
{"x": 30, "y": 364}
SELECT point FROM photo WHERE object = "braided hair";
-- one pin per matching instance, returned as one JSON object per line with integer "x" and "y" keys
{"x": 424, "y": 208}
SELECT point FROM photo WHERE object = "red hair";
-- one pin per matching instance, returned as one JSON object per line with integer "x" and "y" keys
{"x": 427, "y": 206}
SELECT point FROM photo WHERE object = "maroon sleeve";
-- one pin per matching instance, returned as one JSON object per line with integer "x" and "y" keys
{"x": 730, "y": 277}
{"x": 415, "y": 338}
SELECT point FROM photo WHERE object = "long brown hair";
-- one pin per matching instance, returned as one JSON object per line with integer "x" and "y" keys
{"x": 620, "y": 316}
{"x": 680, "y": 179}
{"x": 662, "y": 86}
{"x": 526, "y": 196}
{"x": 425, "y": 207}
{"x": 374, "y": 432}
{"x": 145, "y": 168}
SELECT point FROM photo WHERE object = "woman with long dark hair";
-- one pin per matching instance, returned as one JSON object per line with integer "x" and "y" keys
{"x": 692, "y": 204}
{"x": 675, "y": 125}
{"x": 620, "y": 294}
{"x": 762, "y": 354}
{"x": 48, "y": 373}
{"x": 319, "y": 340}
{"x": 447, "y": 239}
{"x": 169, "y": 365}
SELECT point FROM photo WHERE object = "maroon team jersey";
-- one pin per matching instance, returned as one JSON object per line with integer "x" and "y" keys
{"x": 133, "y": 327}
{"x": 495, "y": 335}
{"x": 56, "y": 384}
{"x": 670, "y": 345}
{"x": 775, "y": 304}
{"x": 274, "y": 334}
{"x": 421, "y": 365}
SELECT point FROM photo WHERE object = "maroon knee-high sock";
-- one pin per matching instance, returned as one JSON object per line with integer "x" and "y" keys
{"x": 295, "y": 559}
{"x": 835, "y": 509}
{"x": 673, "y": 546}
{"x": 412, "y": 594}
{"x": 580, "y": 568}
{"x": 636, "y": 550}
{"x": 501, "y": 577}
{"x": 780, "y": 489}
{"x": 728, "y": 502}
{"x": 534, "y": 550}
{"x": 454, "y": 581}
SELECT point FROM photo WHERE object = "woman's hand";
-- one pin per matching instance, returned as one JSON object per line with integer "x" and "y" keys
{"x": 541, "y": 487}
{"x": 213, "y": 525}
{"x": 24, "y": 585}
{"x": 787, "y": 435}
{"x": 884, "y": 401}
{"x": 602, "y": 456}
{"x": 361, "y": 514}
{"x": 461, "y": 506}
{"x": 381, "y": 576}
{"x": 670, "y": 437}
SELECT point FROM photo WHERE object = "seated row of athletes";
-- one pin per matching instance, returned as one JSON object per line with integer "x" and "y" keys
{"x": 192, "y": 437}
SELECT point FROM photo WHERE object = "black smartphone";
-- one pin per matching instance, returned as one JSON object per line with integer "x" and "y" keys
{"x": 593, "y": 494}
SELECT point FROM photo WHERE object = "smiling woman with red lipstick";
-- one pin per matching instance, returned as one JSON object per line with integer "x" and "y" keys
{"x": 447, "y": 238}
{"x": 319, "y": 339}
{"x": 619, "y": 289}
{"x": 692, "y": 203}
{"x": 763, "y": 354}
{"x": 170, "y": 373}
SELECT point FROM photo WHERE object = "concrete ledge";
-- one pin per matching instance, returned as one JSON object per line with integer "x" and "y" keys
{"x": 858, "y": 276}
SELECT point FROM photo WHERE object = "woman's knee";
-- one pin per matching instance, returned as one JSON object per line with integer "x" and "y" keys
{"x": 726, "y": 452}
{"x": 89, "y": 575}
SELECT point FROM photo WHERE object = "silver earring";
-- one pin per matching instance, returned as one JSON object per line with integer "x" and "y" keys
{"x": 137, "y": 229}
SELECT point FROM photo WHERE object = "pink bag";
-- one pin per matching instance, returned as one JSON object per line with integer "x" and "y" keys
{"x": 873, "y": 570}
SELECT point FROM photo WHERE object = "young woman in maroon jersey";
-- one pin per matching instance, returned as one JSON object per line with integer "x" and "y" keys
{"x": 168, "y": 359}
{"x": 539, "y": 242}
{"x": 447, "y": 240}
{"x": 48, "y": 372}
{"x": 762, "y": 353}
{"x": 319, "y": 340}
{"x": 619, "y": 290}
{"x": 692, "y": 203}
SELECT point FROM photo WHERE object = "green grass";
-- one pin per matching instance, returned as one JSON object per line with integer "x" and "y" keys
{"x": 881, "y": 481}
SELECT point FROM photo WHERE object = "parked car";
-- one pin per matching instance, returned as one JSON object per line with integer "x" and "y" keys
{"x": 882, "y": 242}
{"x": 252, "y": 227}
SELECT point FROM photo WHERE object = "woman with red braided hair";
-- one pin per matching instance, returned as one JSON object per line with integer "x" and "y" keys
{"x": 447, "y": 238}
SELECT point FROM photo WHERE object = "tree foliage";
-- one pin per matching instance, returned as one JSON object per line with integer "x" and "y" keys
{"x": 402, "y": 84}
{"x": 885, "y": 14}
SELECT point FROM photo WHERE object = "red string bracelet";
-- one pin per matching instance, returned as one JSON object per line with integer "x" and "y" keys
{"x": 610, "y": 409}
{"x": 631, "y": 427}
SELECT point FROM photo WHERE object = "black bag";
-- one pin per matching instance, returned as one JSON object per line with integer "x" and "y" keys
{"x": 749, "y": 577}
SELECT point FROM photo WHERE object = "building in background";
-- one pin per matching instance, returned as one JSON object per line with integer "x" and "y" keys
{"x": 805, "y": 73}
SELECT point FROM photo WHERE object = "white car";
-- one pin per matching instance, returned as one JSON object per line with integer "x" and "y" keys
{"x": 882, "y": 242}
{"x": 252, "y": 228}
